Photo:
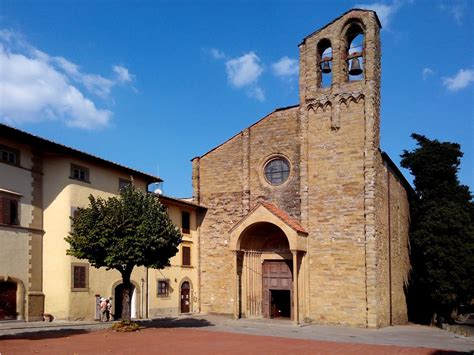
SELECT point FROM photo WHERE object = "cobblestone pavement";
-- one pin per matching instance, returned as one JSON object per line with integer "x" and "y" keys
{"x": 217, "y": 334}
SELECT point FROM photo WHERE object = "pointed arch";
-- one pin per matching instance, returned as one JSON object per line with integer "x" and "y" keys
{"x": 327, "y": 105}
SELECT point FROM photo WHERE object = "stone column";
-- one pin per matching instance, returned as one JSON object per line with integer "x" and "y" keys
{"x": 236, "y": 284}
{"x": 296, "y": 318}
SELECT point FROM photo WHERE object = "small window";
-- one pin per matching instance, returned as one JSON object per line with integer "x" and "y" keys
{"x": 79, "y": 173}
{"x": 123, "y": 183}
{"x": 74, "y": 212}
{"x": 9, "y": 155}
{"x": 9, "y": 213}
{"x": 163, "y": 288}
{"x": 277, "y": 171}
{"x": 186, "y": 256}
{"x": 185, "y": 222}
{"x": 79, "y": 277}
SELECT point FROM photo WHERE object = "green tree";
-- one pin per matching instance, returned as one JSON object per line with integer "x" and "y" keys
{"x": 442, "y": 231}
{"x": 124, "y": 231}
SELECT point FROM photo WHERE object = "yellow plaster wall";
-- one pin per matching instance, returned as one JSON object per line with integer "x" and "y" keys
{"x": 176, "y": 273}
{"x": 14, "y": 250}
{"x": 61, "y": 195}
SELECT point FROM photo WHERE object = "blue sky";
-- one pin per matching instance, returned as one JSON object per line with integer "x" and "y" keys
{"x": 151, "y": 84}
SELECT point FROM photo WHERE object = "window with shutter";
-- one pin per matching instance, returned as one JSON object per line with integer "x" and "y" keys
{"x": 186, "y": 256}
{"x": 185, "y": 222}
{"x": 9, "y": 211}
{"x": 163, "y": 288}
{"x": 79, "y": 277}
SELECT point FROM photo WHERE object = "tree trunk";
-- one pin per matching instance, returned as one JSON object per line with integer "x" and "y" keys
{"x": 126, "y": 295}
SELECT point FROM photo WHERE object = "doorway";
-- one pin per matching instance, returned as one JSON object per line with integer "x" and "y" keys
{"x": 118, "y": 294}
{"x": 8, "y": 300}
{"x": 277, "y": 289}
{"x": 185, "y": 299}
{"x": 280, "y": 304}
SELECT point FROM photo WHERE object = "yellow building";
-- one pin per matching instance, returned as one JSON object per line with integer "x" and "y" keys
{"x": 41, "y": 185}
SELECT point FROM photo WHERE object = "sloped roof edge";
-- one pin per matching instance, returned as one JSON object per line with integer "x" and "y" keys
{"x": 338, "y": 18}
{"x": 26, "y": 136}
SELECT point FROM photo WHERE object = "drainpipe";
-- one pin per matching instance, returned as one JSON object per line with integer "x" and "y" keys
{"x": 389, "y": 248}
{"x": 146, "y": 297}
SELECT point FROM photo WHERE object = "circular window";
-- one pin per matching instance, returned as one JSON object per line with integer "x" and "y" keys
{"x": 277, "y": 171}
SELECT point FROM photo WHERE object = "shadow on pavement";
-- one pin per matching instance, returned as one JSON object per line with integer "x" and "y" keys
{"x": 448, "y": 352}
{"x": 175, "y": 323}
{"x": 45, "y": 334}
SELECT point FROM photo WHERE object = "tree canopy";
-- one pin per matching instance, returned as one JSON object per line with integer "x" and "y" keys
{"x": 124, "y": 231}
{"x": 442, "y": 230}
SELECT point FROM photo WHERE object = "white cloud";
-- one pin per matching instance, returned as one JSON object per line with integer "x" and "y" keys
{"x": 244, "y": 70}
{"x": 257, "y": 93}
{"x": 459, "y": 81}
{"x": 36, "y": 86}
{"x": 426, "y": 73}
{"x": 123, "y": 75}
{"x": 286, "y": 67}
{"x": 455, "y": 9}
{"x": 32, "y": 90}
{"x": 384, "y": 11}
{"x": 217, "y": 54}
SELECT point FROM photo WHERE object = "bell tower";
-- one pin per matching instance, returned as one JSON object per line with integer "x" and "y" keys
{"x": 339, "y": 129}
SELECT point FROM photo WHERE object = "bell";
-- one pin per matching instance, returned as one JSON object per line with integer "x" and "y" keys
{"x": 355, "y": 68}
{"x": 325, "y": 67}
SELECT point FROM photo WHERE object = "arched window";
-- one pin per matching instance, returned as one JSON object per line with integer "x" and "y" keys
{"x": 325, "y": 63}
{"x": 355, "y": 52}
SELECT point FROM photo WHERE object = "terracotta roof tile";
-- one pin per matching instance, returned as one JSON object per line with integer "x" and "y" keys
{"x": 293, "y": 223}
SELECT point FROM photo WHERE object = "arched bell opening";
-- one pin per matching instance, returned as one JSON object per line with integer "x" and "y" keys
{"x": 324, "y": 69}
{"x": 355, "y": 52}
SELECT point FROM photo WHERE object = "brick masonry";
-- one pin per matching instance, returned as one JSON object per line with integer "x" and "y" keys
{"x": 340, "y": 189}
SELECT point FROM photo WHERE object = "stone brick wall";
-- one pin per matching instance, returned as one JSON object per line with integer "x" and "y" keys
{"x": 337, "y": 190}
{"x": 393, "y": 264}
{"x": 230, "y": 184}
{"x": 277, "y": 134}
{"x": 336, "y": 215}
{"x": 338, "y": 179}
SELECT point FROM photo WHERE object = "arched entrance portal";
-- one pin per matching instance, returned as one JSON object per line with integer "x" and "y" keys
{"x": 265, "y": 272}
{"x": 269, "y": 252}
{"x": 118, "y": 298}
{"x": 8, "y": 300}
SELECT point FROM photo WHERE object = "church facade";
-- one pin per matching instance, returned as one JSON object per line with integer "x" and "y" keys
{"x": 306, "y": 217}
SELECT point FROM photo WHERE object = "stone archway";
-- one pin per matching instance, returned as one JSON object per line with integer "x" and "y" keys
{"x": 135, "y": 298}
{"x": 264, "y": 253}
{"x": 12, "y": 299}
{"x": 266, "y": 235}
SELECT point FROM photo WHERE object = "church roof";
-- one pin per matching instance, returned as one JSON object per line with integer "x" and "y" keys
{"x": 241, "y": 132}
{"x": 290, "y": 221}
{"x": 337, "y": 19}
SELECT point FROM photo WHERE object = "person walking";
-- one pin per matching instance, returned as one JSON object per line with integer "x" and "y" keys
{"x": 109, "y": 309}
{"x": 103, "y": 309}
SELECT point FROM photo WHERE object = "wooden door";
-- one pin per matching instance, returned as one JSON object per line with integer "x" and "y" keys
{"x": 7, "y": 300}
{"x": 185, "y": 297}
{"x": 277, "y": 275}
